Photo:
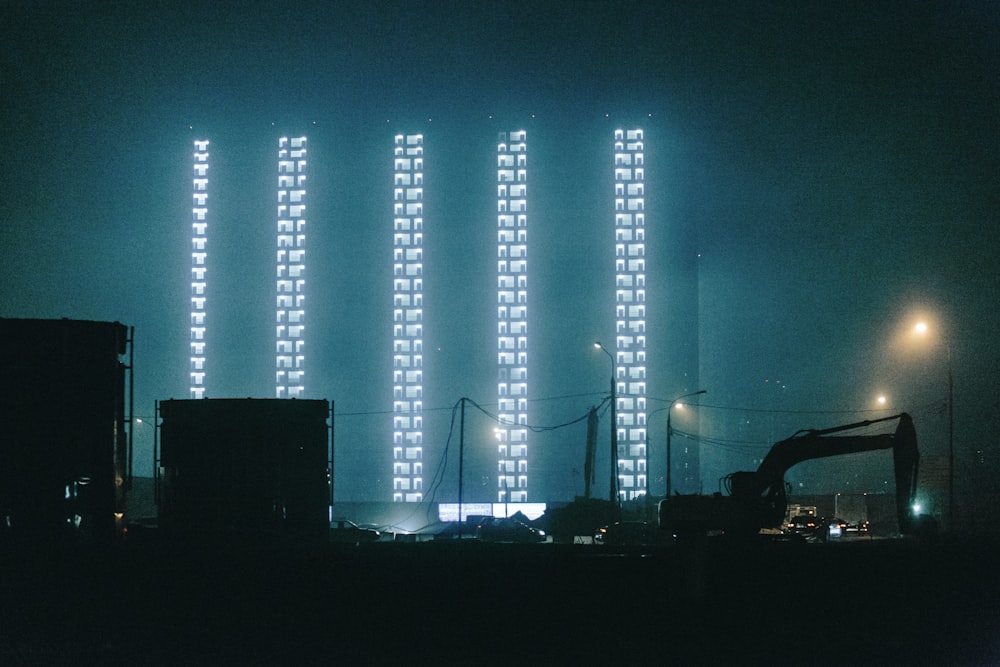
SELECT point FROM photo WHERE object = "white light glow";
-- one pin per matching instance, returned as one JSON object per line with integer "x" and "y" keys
{"x": 511, "y": 289}
{"x": 290, "y": 373}
{"x": 199, "y": 258}
{"x": 408, "y": 301}
{"x": 630, "y": 311}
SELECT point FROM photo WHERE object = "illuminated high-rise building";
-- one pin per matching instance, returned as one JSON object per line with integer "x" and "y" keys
{"x": 407, "y": 316}
{"x": 199, "y": 255}
{"x": 630, "y": 313}
{"x": 512, "y": 321}
{"x": 291, "y": 267}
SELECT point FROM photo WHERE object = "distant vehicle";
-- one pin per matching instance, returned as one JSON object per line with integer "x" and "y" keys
{"x": 622, "y": 533}
{"x": 804, "y": 525}
{"x": 814, "y": 529}
{"x": 347, "y": 532}
{"x": 860, "y": 528}
{"x": 496, "y": 529}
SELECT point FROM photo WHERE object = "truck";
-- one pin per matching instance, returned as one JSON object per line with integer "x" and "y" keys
{"x": 757, "y": 500}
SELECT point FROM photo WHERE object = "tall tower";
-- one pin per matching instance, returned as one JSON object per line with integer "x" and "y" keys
{"x": 512, "y": 321}
{"x": 630, "y": 313}
{"x": 291, "y": 267}
{"x": 199, "y": 254}
{"x": 407, "y": 316}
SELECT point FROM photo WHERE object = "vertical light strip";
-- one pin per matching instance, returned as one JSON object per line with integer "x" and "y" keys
{"x": 199, "y": 255}
{"x": 291, "y": 268}
{"x": 630, "y": 312}
{"x": 512, "y": 321}
{"x": 407, "y": 315}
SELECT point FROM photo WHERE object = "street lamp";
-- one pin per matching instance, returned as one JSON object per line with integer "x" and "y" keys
{"x": 613, "y": 482}
{"x": 921, "y": 329}
{"x": 669, "y": 429}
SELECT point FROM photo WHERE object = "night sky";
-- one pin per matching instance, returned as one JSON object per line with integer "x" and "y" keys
{"x": 819, "y": 175}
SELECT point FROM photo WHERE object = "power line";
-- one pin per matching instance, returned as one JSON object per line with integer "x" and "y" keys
{"x": 534, "y": 429}
{"x": 366, "y": 413}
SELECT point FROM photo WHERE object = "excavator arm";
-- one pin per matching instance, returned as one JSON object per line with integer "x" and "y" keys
{"x": 767, "y": 484}
{"x": 758, "y": 499}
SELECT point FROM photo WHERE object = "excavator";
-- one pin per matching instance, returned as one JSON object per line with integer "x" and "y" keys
{"x": 758, "y": 500}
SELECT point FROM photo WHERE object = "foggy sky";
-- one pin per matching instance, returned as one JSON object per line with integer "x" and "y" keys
{"x": 816, "y": 176}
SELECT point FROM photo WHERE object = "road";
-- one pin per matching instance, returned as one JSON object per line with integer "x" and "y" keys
{"x": 867, "y": 602}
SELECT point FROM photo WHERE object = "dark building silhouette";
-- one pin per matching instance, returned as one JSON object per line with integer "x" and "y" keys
{"x": 64, "y": 455}
{"x": 254, "y": 468}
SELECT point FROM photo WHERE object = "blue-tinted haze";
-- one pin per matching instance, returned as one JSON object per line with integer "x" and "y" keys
{"x": 817, "y": 174}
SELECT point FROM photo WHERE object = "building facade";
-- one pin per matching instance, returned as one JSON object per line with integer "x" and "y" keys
{"x": 407, "y": 316}
{"x": 631, "y": 469}
{"x": 512, "y": 320}
{"x": 199, "y": 256}
{"x": 291, "y": 267}
{"x": 630, "y": 313}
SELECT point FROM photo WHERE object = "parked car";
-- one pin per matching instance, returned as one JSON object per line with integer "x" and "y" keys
{"x": 348, "y": 532}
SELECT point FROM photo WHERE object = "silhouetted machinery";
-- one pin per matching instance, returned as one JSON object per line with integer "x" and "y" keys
{"x": 64, "y": 451}
{"x": 253, "y": 468}
{"x": 759, "y": 499}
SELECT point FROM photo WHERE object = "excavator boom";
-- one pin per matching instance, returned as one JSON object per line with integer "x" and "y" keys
{"x": 758, "y": 499}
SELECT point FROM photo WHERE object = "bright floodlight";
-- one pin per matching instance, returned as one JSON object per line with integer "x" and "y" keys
{"x": 921, "y": 327}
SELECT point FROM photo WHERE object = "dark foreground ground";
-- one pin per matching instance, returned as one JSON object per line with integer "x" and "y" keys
{"x": 883, "y": 602}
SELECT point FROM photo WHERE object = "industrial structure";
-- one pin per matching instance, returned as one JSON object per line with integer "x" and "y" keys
{"x": 65, "y": 455}
{"x": 256, "y": 468}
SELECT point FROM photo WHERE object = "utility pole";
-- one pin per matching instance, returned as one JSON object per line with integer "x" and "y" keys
{"x": 461, "y": 463}
{"x": 670, "y": 409}
{"x": 613, "y": 482}
{"x": 588, "y": 464}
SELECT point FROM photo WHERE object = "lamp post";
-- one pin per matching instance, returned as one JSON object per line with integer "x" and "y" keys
{"x": 669, "y": 430}
{"x": 613, "y": 482}
{"x": 921, "y": 329}
{"x": 951, "y": 447}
